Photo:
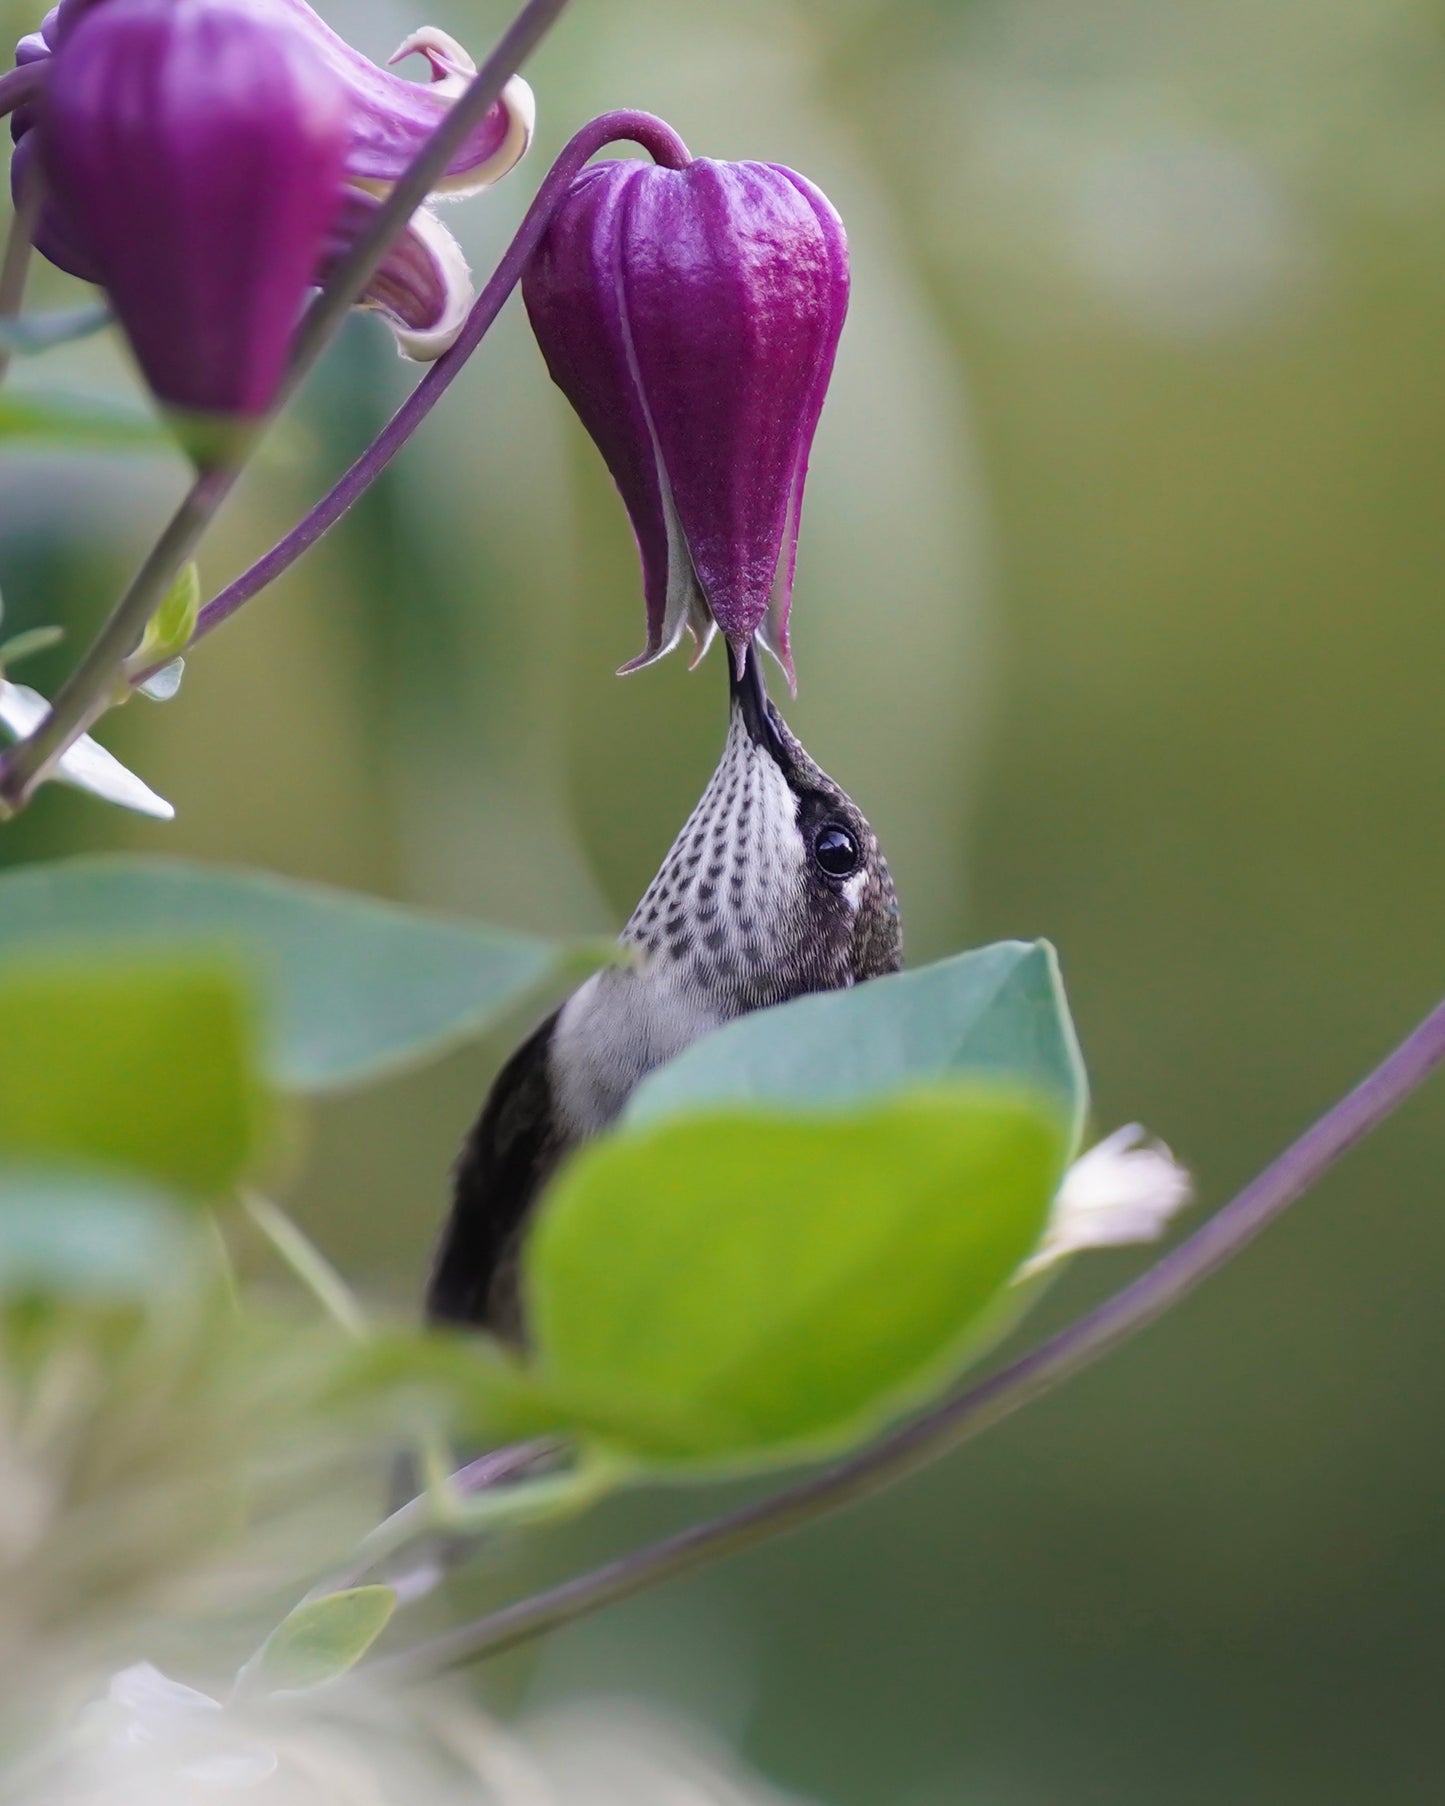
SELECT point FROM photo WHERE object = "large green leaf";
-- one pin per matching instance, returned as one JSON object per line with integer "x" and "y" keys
{"x": 745, "y": 1287}
{"x": 999, "y": 1012}
{"x": 80, "y": 1237}
{"x": 351, "y": 987}
{"x": 141, "y": 1067}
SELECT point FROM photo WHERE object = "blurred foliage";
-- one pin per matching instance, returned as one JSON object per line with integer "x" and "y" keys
{"x": 1119, "y": 612}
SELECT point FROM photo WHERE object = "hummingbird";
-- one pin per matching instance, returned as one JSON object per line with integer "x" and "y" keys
{"x": 775, "y": 887}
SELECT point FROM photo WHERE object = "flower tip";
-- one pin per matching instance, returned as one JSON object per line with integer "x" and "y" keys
{"x": 1126, "y": 1189}
{"x": 449, "y": 66}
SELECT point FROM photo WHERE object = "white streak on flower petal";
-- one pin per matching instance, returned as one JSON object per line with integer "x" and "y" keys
{"x": 87, "y": 765}
{"x": 424, "y": 344}
{"x": 521, "y": 109}
{"x": 1126, "y": 1189}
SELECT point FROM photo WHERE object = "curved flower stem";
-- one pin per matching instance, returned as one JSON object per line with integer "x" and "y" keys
{"x": 655, "y": 137}
{"x": 966, "y": 1413}
{"x": 88, "y": 691}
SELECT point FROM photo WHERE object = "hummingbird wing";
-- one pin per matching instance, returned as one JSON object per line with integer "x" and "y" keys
{"x": 512, "y": 1151}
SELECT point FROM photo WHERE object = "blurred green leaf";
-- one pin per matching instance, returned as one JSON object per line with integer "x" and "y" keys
{"x": 72, "y": 1236}
{"x": 999, "y": 1012}
{"x": 32, "y": 333}
{"x": 462, "y": 1385}
{"x": 142, "y": 1066}
{"x": 323, "y": 1638}
{"x": 744, "y": 1288}
{"x": 28, "y": 643}
{"x": 87, "y": 422}
{"x": 353, "y": 988}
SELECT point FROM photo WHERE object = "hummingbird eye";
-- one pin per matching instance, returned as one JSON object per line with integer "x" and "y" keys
{"x": 836, "y": 850}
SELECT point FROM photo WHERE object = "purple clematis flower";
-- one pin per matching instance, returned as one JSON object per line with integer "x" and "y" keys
{"x": 691, "y": 317}
{"x": 208, "y": 161}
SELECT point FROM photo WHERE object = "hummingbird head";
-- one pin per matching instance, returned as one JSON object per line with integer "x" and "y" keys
{"x": 776, "y": 886}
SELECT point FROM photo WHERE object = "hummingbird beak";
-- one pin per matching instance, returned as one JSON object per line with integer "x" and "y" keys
{"x": 751, "y": 700}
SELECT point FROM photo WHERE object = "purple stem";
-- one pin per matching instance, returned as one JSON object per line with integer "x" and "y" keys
{"x": 19, "y": 85}
{"x": 979, "y": 1406}
{"x": 655, "y": 137}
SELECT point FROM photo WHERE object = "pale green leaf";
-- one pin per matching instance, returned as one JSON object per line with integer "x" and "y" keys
{"x": 28, "y": 643}
{"x": 351, "y": 988}
{"x": 324, "y": 1638}
{"x": 78, "y": 1236}
{"x": 29, "y": 334}
{"x": 999, "y": 1012}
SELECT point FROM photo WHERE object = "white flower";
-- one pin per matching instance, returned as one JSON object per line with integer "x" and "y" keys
{"x": 178, "y": 1733}
{"x": 87, "y": 765}
{"x": 1126, "y": 1189}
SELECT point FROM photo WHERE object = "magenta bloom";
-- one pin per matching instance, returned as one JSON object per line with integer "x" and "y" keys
{"x": 208, "y": 161}
{"x": 691, "y": 317}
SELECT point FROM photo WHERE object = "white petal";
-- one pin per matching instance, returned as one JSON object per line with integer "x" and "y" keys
{"x": 151, "y": 1695}
{"x": 451, "y": 66}
{"x": 87, "y": 765}
{"x": 1126, "y": 1189}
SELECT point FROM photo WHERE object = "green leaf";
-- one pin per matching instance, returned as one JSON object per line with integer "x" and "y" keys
{"x": 32, "y": 333}
{"x": 169, "y": 630}
{"x": 999, "y": 1012}
{"x": 141, "y": 1067}
{"x": 351, "y": 988}
{"x": 85, "y": 422}
{"x": 325, "y": 1637}
{"x": 745, "y": 1288}
{"x": 79, "y": 1237}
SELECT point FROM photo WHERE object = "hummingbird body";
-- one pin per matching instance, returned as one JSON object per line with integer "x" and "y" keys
{"x": 775, "y": 887}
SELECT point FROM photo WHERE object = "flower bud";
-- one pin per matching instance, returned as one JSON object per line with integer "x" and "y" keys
{"x": 208, "y": 161}
{"x": 195, "y": 152}
{"x": 691, "y": 317}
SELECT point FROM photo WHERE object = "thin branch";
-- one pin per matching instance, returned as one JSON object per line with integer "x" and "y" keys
{"x": 655, "y": 137}
{"x": 86, "y": 694}
{"x": 308, "y": 1264}
{"x": 966, "y": 1413}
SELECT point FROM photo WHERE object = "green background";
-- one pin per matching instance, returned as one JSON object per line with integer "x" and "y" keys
{"x": 1119, "y": 610}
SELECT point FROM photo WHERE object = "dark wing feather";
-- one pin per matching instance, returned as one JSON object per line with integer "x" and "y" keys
{"x": 510, "y": 1154}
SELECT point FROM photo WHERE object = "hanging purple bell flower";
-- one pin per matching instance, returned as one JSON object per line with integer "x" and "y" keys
{"x": 208, "y": 161}
{"x": 691, "y": 317}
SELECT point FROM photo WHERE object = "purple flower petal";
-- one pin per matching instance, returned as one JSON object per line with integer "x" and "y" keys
{"x": 195, "y": 152}
{"x": 691, "y": 316}
{"x": 572, "y": 290}
{"x": 392, "y": 117}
